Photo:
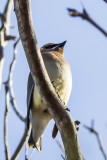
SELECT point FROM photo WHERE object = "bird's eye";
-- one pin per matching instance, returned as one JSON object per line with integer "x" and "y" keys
{"x": 50, "y": 46}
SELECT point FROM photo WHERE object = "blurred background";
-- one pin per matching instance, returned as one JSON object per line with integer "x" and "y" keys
{"x": 86, "y": 52}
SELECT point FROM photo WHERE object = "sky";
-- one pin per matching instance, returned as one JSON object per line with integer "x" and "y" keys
{"x": 86, "y": 52}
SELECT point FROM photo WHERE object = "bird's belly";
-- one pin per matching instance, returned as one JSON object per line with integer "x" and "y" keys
{"x": 61, "y": 79}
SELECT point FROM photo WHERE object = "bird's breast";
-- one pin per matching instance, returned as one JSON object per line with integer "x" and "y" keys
{"x": 60, "y": 76}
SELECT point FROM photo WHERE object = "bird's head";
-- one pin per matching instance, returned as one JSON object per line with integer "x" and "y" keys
{"x": 53, "y": 47}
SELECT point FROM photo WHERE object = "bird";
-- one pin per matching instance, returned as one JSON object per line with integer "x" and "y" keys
{"x": 60, "y": 75}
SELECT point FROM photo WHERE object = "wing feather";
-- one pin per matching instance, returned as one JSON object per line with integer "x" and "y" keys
{"x": 30, "y": 88}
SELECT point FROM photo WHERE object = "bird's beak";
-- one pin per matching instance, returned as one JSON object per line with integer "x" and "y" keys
{"x": 61, "y": 44}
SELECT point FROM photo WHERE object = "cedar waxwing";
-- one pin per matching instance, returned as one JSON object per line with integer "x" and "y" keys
{"x": 60, "y": 75}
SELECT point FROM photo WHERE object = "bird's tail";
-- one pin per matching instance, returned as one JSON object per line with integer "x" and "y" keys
{"x": 31, "y": 142}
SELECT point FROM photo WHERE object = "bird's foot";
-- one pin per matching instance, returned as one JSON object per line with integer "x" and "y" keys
{"x": 76, "y": 124}
{"x": 67, "y": 109}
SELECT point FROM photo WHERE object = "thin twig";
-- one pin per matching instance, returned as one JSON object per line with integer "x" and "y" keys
{"x": 5, "y": 19}
{"x": 22, "y": 142}
{"x": 5, "y": 122}
{"x": 1, "y": 63}
{"x": 63, "y": 157}
{"x": 4, "y": 30}
{"x": 4, "y": 38}
{"x": 105, "y": 1}
{"x": 31, "y": 153}
{"x": 6, "y": 13}
{"x": 26, "y": 154}
{"x": 9, "y": 37}
{"x": 60, "y": 145}
{"x": 26, "y": 147}
{"x": 13, "y": 102}
{"x": 10, "y": 82}
{"x": 92, "y": 130}
{"x": 84, "y": 15}
{"x": 1, "y": 56}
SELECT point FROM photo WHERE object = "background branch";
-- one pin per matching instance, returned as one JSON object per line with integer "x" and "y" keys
{"x": 10, "y": 82}
{"x": 62, "y": 118}
{"x": 4, "y": 31}
{"x": 30, "y": 155}
{"x": 5, "y": 122}
{"x": 6, "y": 23}
{"x": 4, "y": 38}
{"x": 6, "y": 14}
{"x": 21, "y": 144}
{"x": 1, "y": 62}
{"x": 92, "y": 130}
{"x": 60, "y": 145}
{"x": 13, "y": 102}
{"x": 84, "y": 15}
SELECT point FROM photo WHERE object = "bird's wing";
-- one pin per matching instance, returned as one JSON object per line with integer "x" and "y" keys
{"x": 30, "y": 88}
{"x": 55, "y": 131}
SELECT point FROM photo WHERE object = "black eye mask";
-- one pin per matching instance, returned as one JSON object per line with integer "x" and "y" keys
{"x": 50, "y": 46}
{"x": 53, "y": 46}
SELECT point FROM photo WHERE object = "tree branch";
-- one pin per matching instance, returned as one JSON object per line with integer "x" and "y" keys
{"x": 6, "y": 15}
{"x": 30, "y": 154}
{"x": 60, "y": 145}
{"x": 92, "y": 130}
{"x": 84, "y": 15}
{"x": 10, "y": 82}
{"x": 5, "y": 19}
{"x": 4, "y": 31}
{"x": 21, "y": 144}
{"x": 13, "y": 102}
{"x": 62, "y": 118}
{"x": 1, "y": 63}
{"x": 4, "y": 38}
{"x": 5, "y": 122}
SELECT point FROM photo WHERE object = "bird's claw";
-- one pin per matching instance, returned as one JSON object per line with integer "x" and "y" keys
{"x": 76, "y": 124}
{"x": 67, "y": 109}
